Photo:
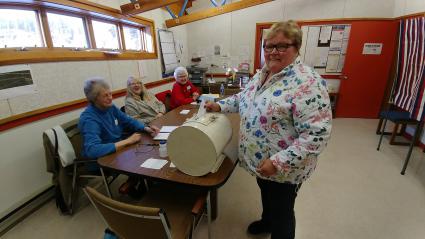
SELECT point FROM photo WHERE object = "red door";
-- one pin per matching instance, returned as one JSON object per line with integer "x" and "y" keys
{"x": 366, "y": 76}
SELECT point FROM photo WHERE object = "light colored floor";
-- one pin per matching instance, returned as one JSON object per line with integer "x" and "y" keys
{"x": 355, "y": 193}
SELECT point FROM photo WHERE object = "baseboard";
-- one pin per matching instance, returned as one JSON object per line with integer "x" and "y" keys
{"x": 20, "y": 213}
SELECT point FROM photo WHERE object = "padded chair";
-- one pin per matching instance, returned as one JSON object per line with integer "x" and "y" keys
{"x": 163, "y": 213}
{"x": 165, "y": 97}
{"x": 399, "y": 118}
{"x": 68, "y": 178}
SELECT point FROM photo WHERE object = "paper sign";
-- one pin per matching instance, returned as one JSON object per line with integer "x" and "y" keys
{"x": 372, "y": 49}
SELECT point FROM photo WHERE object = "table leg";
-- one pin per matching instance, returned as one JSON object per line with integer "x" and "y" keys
{"x": 209, "y": 214}
{"x": 214, "y": 207}
{"x": 105, "y": 181}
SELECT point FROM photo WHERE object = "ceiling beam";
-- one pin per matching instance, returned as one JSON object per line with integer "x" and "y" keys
{"x": 144, "y": 6}
{"x": 215, "y": 11}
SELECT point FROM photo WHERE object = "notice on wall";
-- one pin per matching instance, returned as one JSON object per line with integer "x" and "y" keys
{"x": 15, "y": 81}
{"x": 372, "y": 49}
{"x": 325, "y": 47}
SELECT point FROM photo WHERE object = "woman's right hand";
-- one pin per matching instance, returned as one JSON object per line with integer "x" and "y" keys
{"x": 212, "y": 106}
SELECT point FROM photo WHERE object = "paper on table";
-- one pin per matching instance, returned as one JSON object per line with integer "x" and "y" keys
{"x": 201, "y": 110}
{"x": 154, "y": 163}
{"x": 184, "y": 112}
{"x": 172, "y": 165}
{"x": 161, "y": 136}
{"x": 167, "y": 129}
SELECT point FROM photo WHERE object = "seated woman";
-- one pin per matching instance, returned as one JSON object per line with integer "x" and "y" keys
{"x": 101, "y": 124}
{"x": 184, "y": 92}
{"x": 141, "y": 104}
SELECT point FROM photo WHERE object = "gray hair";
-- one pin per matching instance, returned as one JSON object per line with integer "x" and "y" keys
{"x": 180, "y": 71}
{"x": 92, "y": 87}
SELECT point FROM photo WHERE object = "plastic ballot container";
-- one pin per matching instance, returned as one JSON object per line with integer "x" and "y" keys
{"x": 196, "y": 147}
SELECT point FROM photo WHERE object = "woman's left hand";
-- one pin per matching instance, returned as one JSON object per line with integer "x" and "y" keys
{"x": 266, "y": 168}
{"x": 152, "y": 130}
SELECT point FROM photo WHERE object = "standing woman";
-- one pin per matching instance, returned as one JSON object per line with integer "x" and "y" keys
{"x": 285, "y": 124}
{"x": 141, "y": 104}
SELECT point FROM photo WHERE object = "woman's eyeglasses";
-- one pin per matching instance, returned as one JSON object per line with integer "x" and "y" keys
{"x": 279, "y": 47}
{"x": 138, "y": 83}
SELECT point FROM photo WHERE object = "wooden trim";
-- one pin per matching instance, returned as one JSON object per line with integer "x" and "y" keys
{"x": 121, "y": 33}
{"x": 43, "y": 113}
{"x": 196, "y": 16}
{"x": 36, "y": 55}
{"x": 144, "y": 6}
{"x": 419, "y": 14}
{"x": 45, "y": 29}
{"x": 85, "y": 10}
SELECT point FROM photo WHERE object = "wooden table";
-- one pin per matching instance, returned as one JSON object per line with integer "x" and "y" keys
{"x": 128, "y": 160}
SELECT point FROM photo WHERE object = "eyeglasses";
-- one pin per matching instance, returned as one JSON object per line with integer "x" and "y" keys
{"x": 137, "y": 83}
{"x": 279, "y": 47}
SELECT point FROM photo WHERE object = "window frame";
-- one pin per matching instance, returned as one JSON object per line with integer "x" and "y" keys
{"x": 83, "y": 17}
{"x": 87, "y": 11}
{"x": 141, "y": 31}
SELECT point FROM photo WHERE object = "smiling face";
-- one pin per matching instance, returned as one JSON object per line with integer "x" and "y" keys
{"x": 182, "y": 78}
{"x": 276, "y": 60}
{"x": 136, "y": 87}
{"x": 103, "y": 99}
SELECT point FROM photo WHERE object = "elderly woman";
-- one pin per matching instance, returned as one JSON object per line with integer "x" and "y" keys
{"x": 101, "y": 124}
{"x": 184, "y": 92}
{"x": 285, "y": 124}
{"x": 142, "y": 104}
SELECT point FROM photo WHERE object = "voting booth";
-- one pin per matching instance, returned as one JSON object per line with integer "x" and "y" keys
{"x": 196, "y": 147}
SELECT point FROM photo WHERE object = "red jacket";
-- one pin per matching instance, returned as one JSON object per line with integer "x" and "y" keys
{"x": 182, "y": 94}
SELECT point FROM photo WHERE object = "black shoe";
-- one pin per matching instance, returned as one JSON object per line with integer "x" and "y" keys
{"x": 258, "y": 227}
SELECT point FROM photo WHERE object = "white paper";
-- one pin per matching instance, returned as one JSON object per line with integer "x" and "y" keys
{"x": 167, "y": 129}
{"x": 321, "y": 56}
{"x": 172, "y": 165}
{"x": 161, "y": 136}
{"x": 372, "y": 49}
{"x": 332, "y": 65}
{"x": 194, "y": 103}
{"x": 201, "y": 110}
{"x": 154, "y": 163}
{"x": 341, "y": 63}
{"x": 325, "y": 34}
{"x": 184, "y": 112}
{"x": 337, "y": 34}
{"x": 311, "y": 45}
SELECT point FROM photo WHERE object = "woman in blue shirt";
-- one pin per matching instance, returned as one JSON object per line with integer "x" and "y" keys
{"x": 102, "y": 123}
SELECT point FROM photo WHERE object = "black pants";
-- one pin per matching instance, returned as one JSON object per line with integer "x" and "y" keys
{"x": 278, "y": 200}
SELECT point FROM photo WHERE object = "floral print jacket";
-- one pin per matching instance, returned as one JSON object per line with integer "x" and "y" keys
{"x": 287, "y": 120}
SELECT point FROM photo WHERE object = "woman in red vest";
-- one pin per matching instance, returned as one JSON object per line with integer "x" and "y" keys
{"x": 184, "y": 92}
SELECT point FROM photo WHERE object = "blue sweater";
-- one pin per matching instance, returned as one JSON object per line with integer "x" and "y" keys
{"x": 101, "y": 129}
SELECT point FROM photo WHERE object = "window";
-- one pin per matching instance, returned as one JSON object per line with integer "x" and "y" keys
{"x": 148, "y": 40}
{"x": 132, "y": 38}
{"x": 105, "y": 35}
{"x": 67, "y": 31}
{"x": 19, "y": 28}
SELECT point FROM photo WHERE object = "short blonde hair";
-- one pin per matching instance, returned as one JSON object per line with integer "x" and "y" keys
{"x": 130, "y": 93}
{"x": 289, "y": 29}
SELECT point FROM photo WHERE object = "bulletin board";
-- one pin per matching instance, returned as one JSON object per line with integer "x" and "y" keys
{"x": 324, "y": 47}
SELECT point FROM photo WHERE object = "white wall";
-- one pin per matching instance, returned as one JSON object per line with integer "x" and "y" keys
{"x": 406, "y": 7}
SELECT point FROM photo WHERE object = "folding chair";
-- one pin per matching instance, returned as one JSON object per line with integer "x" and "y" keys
{"x": 162, "y": 214}
{"x": 399, "y": 118}
{"x": 66, "y": 179}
